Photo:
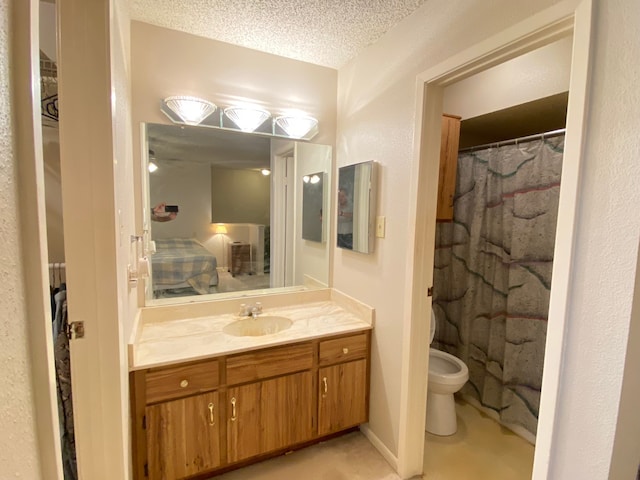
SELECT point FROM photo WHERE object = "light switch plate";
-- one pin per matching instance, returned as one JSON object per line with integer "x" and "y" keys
{"x": 380, "y": 226}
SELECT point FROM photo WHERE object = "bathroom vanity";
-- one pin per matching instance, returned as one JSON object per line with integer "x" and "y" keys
{"x": 204, "y": 401}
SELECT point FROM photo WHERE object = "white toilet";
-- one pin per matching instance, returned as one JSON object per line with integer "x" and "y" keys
{"x": 447, "y": 375}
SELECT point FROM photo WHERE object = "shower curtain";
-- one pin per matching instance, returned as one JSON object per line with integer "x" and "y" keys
{"x": 492, "y": 275}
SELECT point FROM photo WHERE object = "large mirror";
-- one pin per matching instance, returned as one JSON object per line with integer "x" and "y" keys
{"x": 356, "y": 207}
{"x": 225, "y": 213}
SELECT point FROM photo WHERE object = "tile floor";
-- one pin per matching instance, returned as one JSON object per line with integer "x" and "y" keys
{"x": 481, "y": 449}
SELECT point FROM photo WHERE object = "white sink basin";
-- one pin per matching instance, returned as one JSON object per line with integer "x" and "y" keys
{"x": 256, "y": 327}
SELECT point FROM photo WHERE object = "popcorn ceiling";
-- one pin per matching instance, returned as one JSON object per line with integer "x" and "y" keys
{"x": 324, "y": 32}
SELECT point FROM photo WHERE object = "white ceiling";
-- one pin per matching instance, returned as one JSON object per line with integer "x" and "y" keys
{"x": 324, "y": 32}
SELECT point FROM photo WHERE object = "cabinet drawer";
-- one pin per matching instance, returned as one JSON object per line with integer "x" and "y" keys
{"x": 175, "y": 382}
{"x": 343, "y": 349}
{"x": 253, "y": 366}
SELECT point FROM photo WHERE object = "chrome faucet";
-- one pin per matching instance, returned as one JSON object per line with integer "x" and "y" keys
{"x": 250, "y": 310}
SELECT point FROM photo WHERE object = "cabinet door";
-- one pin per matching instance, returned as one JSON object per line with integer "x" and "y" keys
{"x": 343, "y": 396}
{"x": 183, "y": 437}
{"x": 269, "y": 415}
{"x": 449, "y": 142}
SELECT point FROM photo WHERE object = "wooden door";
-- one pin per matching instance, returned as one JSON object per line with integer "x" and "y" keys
{"x": 269, "y": 415}
{"x": 183, "y": 437}
{"x": 342, "y": 396}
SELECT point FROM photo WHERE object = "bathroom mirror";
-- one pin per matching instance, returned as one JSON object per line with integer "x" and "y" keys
{"x": 222, "y": 217}
{"x": 356, "y": 207}
{"x": 313, "y": 199}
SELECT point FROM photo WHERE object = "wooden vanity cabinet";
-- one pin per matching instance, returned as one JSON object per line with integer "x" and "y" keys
{"x": 177, "y": 426}
{"x": 343, "y": 384}
{"x": 183, "y": 436}
{"x": 449, "y": 142}
{"x": 194, "y": 419}
{"x": 274, "y": 410}
{"x": 269, "y": 416}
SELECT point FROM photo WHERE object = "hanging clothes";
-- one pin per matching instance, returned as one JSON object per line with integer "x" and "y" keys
{"x": 65, "y": 400}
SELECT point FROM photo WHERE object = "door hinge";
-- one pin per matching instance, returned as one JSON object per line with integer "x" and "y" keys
{"x": 146, "y": 469}
{"x": 430, "y": 292}
{"x": 75, "y": 330}
{"x": 144, "y": 422}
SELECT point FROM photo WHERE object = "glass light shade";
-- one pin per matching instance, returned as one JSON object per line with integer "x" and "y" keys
{"x": 315, "y": 179}
{"x": 296, "y": 126}
{"x": 152, "y": 167}
{"x": 191, "y": 110}
{"x": 247, "y": 118}
{"x": 221, "y": 229}
{"x": 306, "y": 179}
{"x": 266, "y": 172}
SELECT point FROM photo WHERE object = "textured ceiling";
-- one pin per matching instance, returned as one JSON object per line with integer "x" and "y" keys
{"x": 324, "y": 32}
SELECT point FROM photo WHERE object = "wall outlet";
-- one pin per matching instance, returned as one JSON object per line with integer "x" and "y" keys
{"x": 380, "y": 225}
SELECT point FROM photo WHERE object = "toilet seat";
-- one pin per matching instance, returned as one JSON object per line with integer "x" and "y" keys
{"x": 446, "y": 371}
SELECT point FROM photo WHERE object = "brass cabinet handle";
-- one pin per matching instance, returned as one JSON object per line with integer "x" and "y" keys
{"x": 212, "y": 421}
{"x": 184, "y": 383}
{"x": 345, "y": 350}
{"x": 233, "y": 409}
{"x": 325, "y": 387}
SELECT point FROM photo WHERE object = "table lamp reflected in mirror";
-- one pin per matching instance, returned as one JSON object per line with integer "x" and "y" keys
{"x": 221, "y": 229}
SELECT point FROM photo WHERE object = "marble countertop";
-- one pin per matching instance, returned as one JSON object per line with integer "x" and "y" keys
{"x": 167, "y": 342}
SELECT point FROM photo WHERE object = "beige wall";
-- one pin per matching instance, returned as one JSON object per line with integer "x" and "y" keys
{"x": 534, "y": 75}
{"x": 190, "y": 189}
{"x": 18, "y": 444}
{"x": 375, "y": 122}
{"x": 239, "y": 196}
{"x": 607, "y": 237}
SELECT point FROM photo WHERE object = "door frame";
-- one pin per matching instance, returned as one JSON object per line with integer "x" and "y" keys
{"x": 25, "y": 54}
{"x": 563, "y": 19}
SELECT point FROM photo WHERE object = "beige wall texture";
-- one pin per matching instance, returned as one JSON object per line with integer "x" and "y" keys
{"x": 18, "y": 443}
{"x": 240, "y": 196}
{"x": 376, "y": 110}
{"x": 538, "y": 74}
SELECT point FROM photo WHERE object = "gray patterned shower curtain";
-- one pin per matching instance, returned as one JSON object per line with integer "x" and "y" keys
{"x": 492, "y": 275}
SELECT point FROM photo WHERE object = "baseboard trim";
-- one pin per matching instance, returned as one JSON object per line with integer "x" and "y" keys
{"x": 381, "y": 447}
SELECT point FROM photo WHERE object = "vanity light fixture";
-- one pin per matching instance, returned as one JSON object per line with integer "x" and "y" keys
{"x": 247, "y": 118}
{"x": 311, "y": 179}
{"x": 266, "y": 172}
{"x": 244, "y": 117}
{"x": 192, "y": 110}
{"x": 296, "y": 126}
{"x": 152, "y": 166}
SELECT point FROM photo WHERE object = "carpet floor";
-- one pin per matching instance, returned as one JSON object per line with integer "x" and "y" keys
{"x": 481, "y": 449}
{"x": 349, "y": 457}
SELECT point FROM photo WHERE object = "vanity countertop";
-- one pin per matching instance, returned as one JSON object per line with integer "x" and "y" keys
{"x": 167, "y": 342}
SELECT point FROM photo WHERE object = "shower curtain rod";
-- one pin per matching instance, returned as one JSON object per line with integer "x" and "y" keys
{"x": 552, "y": 133}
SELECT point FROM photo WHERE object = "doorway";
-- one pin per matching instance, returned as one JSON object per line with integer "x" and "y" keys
{"x": 552, "y": 24}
